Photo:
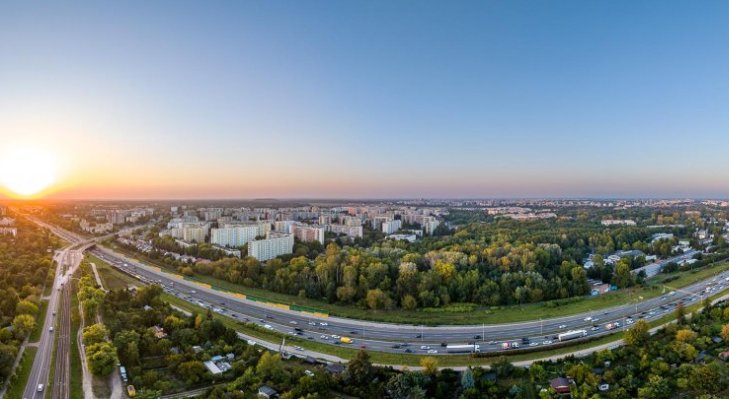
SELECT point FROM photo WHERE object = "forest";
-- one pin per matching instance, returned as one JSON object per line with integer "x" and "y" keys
{"x": 25, "y": 262}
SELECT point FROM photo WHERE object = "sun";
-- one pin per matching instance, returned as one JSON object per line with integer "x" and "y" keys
{"x": 27, "y": 171}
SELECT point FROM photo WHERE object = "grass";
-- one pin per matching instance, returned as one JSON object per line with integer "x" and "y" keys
{"x": 76, "y": 374}
{"x": 17, "y": 386}
{"x": 36, "y": 333}
{"x": 468, "y": 313}
{"x": 112, "y": 276}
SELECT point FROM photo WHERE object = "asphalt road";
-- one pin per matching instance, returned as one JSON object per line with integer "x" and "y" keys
{"x": 400, "y": 338}
{"x": 41, "y": 364}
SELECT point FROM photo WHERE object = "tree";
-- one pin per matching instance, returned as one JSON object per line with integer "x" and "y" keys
{"x": 638, "y": 334}
{"x": 360, "y": 368}
{"x": 127, "y": 343}
{"x": 94, "y": 333}
{"x": 409, "y": 302}
{"x": 377, "y": 299}
{"x": 101, "y": 358}
{"x": 429, "y": 365}
{"x": 26, "y": 307}
{"x": 685, "y": 335}
{"x": 269, "y": 366}
{"x": 467, "y": 381}
{"x": 680, "y": 313}
{"x": 725, "y": 332}
{"x": 23, "y": 324}
{"x": 191, "y": 371}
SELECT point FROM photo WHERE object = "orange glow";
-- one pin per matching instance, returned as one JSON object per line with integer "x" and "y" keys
{"x": 27, "y": 172}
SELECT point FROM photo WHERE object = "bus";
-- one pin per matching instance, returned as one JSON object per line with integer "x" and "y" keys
{"x": 571, "y": 335}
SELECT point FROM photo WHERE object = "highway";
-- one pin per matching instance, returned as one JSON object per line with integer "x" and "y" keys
{"x": 403, "y": 338}
{"x": 66, "y": 259}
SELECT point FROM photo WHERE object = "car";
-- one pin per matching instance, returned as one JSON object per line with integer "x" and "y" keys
{"x": 269, "y": 317}
{"x": 476, "y": 336}
{"x": 268, "y": 327}
{"x": 233, "y": 315}
{"x": 363, "y": 346}
{"x": 396, "y": 346}
{"x": 324, "y": 337}
{"x": 534, "y": 344}
{"x": 432, "y": 351}
{"x": 298, "y": 348}
{"x": 51, "y": 329}
{"x": 408, "y": 350}
{"x": 595, "y": 328}
{"x": 424, "y": 347}
{"x": 297, "y": 329}
{"x": 54, "y": 313}
{"x": 419, "y": 336}
{"x": 353, "y": 332}
{"x": 444, "y": 344}
{"x": 311, "y": 323}
{"x": 40, "y": 387}
{"x": 337, "y": 343}
{"x": 323, "y": 323}
{"x": 293, "y": 322}
{"x": 562, "y": 326}
{"x": 336, "y": 336}
{"x": 547, "y": 342}
{"x": 588, "y": 318}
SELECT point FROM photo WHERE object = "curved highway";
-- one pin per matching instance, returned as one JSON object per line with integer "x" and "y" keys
{"x": 401, "y": 338}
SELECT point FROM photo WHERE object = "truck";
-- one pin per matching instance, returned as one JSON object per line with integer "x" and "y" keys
{"x": 471, "y": 348}
{"x": 345, "y": 340}
{"x": 571, "y": 335}
{"x": 509, "y": 345}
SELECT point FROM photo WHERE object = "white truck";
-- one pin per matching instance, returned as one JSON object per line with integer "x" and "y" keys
{"x": 571, "y": 335}
{"x": 473, "y": 348}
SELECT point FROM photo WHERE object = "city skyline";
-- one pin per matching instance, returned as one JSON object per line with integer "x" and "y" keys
{"x": 331, "y": 100}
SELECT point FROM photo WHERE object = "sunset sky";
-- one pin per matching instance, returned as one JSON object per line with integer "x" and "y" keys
{"x": 247, "y": 99}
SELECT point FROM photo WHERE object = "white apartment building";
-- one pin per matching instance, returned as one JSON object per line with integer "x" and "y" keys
{"x": 271, "y": 247}
{"x": 283, "y": 226}
{"x": 391, "y": 226}
{"x": 233, "y": 236}
{"x": 350, "y": 231}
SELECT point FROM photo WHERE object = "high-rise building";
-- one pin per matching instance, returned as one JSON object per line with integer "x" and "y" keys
{"x": 350, "y": 231}
{"x": 273, "y": 246}
{"x": 283, "y": 226}
{"x": 233, "y": 236}
{"x": 308, "y": 233}
{"x": 391, "y": 227}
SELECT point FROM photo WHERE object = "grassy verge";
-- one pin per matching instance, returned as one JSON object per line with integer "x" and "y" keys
{"x": 76, "y": 374}
{"x": 36, "y": 333}
{"x": 17, "y": 386}
{"x": 469, "y": 313}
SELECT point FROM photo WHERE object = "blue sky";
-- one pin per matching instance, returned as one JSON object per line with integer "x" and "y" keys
{"x": 372, "y": 99}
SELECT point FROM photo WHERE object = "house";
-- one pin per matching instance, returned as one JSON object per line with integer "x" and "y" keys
{"x": 335, "y": 368}
{"x": 267, "y": 392}
{"x": 560, "y": 385}
{"x": 159, "y": 332}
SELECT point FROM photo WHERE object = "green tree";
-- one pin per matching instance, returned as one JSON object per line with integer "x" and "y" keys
{"x": 94, "y": 333}
{"x": 23, "y": 324}
{"x": 101, "y": 358}
{"x": 26, "y": 307}
{"x": 638, "y": 334}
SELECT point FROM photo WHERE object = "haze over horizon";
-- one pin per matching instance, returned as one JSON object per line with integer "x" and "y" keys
{"x": 238, "y": 100}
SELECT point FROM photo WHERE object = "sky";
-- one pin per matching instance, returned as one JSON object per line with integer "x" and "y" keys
{"x": 369, "y": 99}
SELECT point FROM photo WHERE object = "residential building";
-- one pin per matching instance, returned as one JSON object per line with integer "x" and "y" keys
{"x": 274, "y": 245}
{"x": 308, "y": 233}
{"x": 350, "y": 231}
{"x": 391, "y": 226}
{"x": 283, "y": 226}
{"x": 233, "y": 236}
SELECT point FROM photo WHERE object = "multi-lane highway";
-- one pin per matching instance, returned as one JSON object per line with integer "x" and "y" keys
{"x": 391, "y": 337}
{"x": 412, "y": 338}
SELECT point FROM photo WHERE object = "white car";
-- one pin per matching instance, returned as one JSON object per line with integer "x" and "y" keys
{"x": 562, "y": 326}
{"x": 336, "y": 336}
{"x": 588, "y": 318}
{"x": 324, "y": 337}
{"x": 293, "y": 322}
{"x": 432, "y": 351}
{"x": 311, "y": 323}
{"x": 424, "y": 347}
{"x": 323, "y": 323}
{"x": 594, "y": 328}
{"x": 298, "y": 348}
{"x": 534, "y": 344}
{"x": 547, "y": 342}
{"x": 268, "y": 327}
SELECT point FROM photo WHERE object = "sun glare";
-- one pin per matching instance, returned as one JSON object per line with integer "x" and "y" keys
{"x": 28, "y": 171}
